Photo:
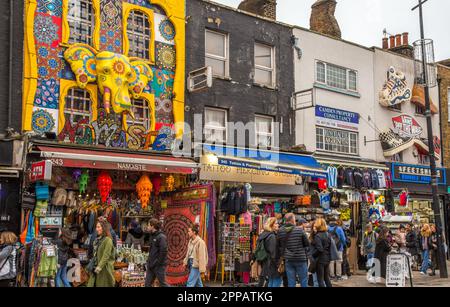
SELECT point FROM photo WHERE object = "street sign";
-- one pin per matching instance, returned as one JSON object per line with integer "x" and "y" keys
{"x": 41, "y": 171}
{"x": 396, "y": 270}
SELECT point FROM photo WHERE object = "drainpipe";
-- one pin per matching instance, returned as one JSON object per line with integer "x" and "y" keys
{"x": 11, "y": 25}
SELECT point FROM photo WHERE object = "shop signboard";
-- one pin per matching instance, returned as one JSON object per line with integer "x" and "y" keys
{"x": 396, "y": 270}
{"x": 416, "y": 174}
{"x": 406, "y": 126}
{"x": 41, "y": 171}
{"x": 335, "y": 118}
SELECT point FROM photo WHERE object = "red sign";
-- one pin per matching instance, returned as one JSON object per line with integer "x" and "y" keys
{"x": 406, "y": 126}
{"x": 41, "y": 171}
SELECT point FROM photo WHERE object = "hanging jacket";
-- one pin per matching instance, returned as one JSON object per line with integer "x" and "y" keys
{"x": 358, "y": 178}
{"x": 340, "y": 177}
{"x": 374, "y": 177}
{"x": 349, "y": 181}
{"x": 367, "y": 179}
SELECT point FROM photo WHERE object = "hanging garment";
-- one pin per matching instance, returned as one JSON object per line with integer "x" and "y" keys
{"x": 381, "y": 179}
{"x": 340, "y": 177}
{"x": 349, "y": 181}
{"x": 358, "y": 178}
{"x": 332, "y": 177}
{"x": 335, "y": 201}
{"x": 322, "y": 184}
{"x": 325, "y": 200}
{"x": 388, "y": 177}
{"x": 403, "y": 199}
{"x": 367, "y": 179}
{"x": 374, "y": 176}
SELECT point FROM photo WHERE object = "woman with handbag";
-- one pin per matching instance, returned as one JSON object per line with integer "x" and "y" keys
{"x": 101, "y": 266}
{"x": 8, "y": 252}
{"x": 271, "y": 264}
{"x": 322, "y": 246}
{"x": 312, "y": 268}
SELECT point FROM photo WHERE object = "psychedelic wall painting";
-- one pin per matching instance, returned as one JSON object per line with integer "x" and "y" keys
{"x": 114, "y": 78}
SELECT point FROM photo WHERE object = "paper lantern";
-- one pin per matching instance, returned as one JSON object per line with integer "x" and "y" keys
{"x": 144, "y": 189}
{"x": 156, "y": 181}
{"x": 76, "y": 174}
{"x": 104, "y": 185}
{"x": 170, "y": 182}
{"x": 84, "y": 179}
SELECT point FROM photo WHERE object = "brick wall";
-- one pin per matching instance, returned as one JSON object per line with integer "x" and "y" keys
{"x": 444, "y": 76}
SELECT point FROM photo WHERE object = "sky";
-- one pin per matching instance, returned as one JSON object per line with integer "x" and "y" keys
{"x": 363, "y": 21}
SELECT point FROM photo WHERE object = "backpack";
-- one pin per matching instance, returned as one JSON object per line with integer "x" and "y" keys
{"x": 336, "y": 238}
{"x": 8, "y": 268}
{"x": 260, "y": 253}
{"x": 334, "y": 253}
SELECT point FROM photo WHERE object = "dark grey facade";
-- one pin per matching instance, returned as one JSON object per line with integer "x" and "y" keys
{"x": 11, "y": 63}
{"x": 239, "y": 95}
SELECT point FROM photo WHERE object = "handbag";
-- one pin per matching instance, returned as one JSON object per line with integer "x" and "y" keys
{"x": 312, "y": 265}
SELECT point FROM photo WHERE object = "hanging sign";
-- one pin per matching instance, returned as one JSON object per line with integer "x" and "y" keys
{"x": 406, "y": 126}
{"x": 335, "y": 118}
{"x": 396, "y": 271}
{"x": 416, "y": 174}
{"x": 41, "y": 171}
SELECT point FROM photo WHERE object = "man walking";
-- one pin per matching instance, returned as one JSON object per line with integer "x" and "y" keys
{"x": 157, "y": 259}
{"x": 294, "y": 244}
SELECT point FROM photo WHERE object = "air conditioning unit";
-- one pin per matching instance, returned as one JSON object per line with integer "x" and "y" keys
{"x": 200, "y": 79}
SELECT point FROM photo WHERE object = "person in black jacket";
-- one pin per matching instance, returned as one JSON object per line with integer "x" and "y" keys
{"x": 270, "y": 265}
{"x": 64, "y": 242}
{"x": 293, "y": 247}
{"x": 321, "y": 243}
{"x": 382, "y": 249}
{"x": 434, "y": 249}
{"x": 412, "y": 244}
{"x": 157, "y": 259}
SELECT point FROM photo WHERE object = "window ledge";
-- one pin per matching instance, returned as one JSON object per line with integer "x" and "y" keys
{"x": 223, "y": 78}
{"x": 336, "y": 90}
{"x": 394, "y": 110}
{"x": 338, "y": 154}
{"x": 265, "y": 86}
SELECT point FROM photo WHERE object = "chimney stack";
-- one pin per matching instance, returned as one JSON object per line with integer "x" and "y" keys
{"x": 323, "y": 19}
{"x": 264, "y": 8}
{"x": 399, "y": 44}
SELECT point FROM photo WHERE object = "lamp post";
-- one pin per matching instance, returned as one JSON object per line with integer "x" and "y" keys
{"x": 426, "y": 76}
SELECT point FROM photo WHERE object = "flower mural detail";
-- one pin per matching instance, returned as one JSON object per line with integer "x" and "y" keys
{"x": 43, "y": 121}
{"x": 167, "y": 30}
{"x": 45, "y": 30}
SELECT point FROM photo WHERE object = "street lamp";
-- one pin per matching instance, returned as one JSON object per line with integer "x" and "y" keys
{"x": 426, "y": 75}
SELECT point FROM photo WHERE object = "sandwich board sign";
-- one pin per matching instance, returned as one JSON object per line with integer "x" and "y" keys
{"x": 396, "y": 270}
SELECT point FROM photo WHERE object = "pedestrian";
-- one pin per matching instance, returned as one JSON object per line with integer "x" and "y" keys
{"x": 412, "y": 244}
{"x": 102, "y": 268}
{"x": 338, "y": 234}
{"x": 196, "y": 258}
{"x": 434, "y": 250}
{"x": 135, "y": 236}
{"x": 312, "y": 267}
{"x": 368, "y": 245}
{"x": 272, "y": 261}
{"x": 8, "y": 253}
{"x": 426, "y": 245}
{"x": 400, "y": 239}
{"x": 157, "y": 258}
{"x": 64, "y": 242}
{"x": 321, "y": 245}
{"x": 293, "y": 248}
{"x": 382, "y": 250}
{"x": 94, "y": 236}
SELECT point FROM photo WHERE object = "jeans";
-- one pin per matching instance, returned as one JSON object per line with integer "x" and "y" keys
{"x": 338, "y": 263}
{"x": 156, "y": 272}
{"x": 425, "y": 261}
{"x": 61, "y": 277}
{"x": 195, "y": 279}
{"x": 275, "y": 282}
{"x": 296, "y": 269}
{"x": 323, "y": 275}
{"x": 369, "y": 263}
{"x": 315, "y": 280}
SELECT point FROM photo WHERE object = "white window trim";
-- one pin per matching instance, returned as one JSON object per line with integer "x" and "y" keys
{"x": 225, "y": 59}
{"x": 214, "y": 127}
{"x": 348, "y": 70}
{"x": 272, "y": 69}
{"x": 349, "y": 142}
{"x": 272, "y": 126}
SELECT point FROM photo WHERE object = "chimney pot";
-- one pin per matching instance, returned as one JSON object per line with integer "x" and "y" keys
{"x": 406, "y": 39}
{"x": 392, "y": 41}
{"x": 398, "y": 40}
{"x": 385, "y": 43}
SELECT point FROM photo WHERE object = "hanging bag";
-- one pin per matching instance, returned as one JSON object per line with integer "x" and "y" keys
{"x": 23, "y": 235}
{"x": 334, "y": 254}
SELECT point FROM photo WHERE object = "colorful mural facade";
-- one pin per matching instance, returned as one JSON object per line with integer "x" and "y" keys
{"x": 105, "y": 72}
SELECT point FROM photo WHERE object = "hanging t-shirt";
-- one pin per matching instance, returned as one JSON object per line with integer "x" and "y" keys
{"x": 332, "y": 176}
{"x": 388, "y": 177}
{"x": 340, "y": 177}
{"x": 358, "y": 178}
{"x": 381, "y": 179}
{"x": 367, "y": 179}
{"x": 325, "y": 200}
{"x": 374, "y": 176}
{"x": 335, "y": 201}
{"x": 322, "y": 184}
{"x": 349, "y": 181}
{"x": 404, "y": 199}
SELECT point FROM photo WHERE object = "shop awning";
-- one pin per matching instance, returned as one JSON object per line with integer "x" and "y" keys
{"x": 266, "y": 160}
{"x": 67, "y": 157}
{"x": 351, "y": 163}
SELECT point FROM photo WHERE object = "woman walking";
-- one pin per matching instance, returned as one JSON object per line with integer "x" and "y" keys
{"x": 382, "y": 249}
{"x": 368, "y": 245}
{"x": 196, "y": 258}
{"x": 321, "y": 244}
{"x": 426, "y": 246}
{"x": 270, "y": 265}
{"x": 104, "y": 257}
{"x": 63, "y": 243}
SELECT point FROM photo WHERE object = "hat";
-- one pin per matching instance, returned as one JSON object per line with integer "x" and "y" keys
{"x": 301, "y": 221}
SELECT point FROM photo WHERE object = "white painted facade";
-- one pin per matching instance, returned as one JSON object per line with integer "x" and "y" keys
{"x": 372, "y": 66}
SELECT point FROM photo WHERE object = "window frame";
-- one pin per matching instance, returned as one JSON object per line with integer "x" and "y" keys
{"x": 66, "y": 25}
{"x": 347, "y": 81}
{"x": 350, "y": 134}
{"x": 225, "y": 59}
{"x": 126, "y": 11}
{"x": 211, "y": 127}
{"x": 271, "y": 134}
{"x": 423, "y": 159}
{"x": 66, "y": 86}
{"x": 272, "y": 70}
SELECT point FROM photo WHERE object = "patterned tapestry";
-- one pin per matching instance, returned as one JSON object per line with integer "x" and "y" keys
{"x": 187, "y": 207}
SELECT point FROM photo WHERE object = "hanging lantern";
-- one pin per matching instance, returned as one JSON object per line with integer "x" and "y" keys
{"x": 144, "y": 189}
{"x": 104, "y": 185}
{"x": 170, "y": 182}
{"x": 84, "y": 179}
{"x": 156, "y": 181}
{"x": 76, "y": 174}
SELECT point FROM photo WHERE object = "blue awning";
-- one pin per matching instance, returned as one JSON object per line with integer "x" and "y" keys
{"x": 266, "y": 160}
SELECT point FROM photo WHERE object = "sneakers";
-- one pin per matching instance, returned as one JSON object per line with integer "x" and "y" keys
{"x": 392, "y": 143}
{"x": 395, "y": 90}
{"x": 345, "y": 277}
{"x": 422, "y": 273}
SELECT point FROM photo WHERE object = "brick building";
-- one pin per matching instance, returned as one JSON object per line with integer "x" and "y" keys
{"x": 444, "y": 93}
